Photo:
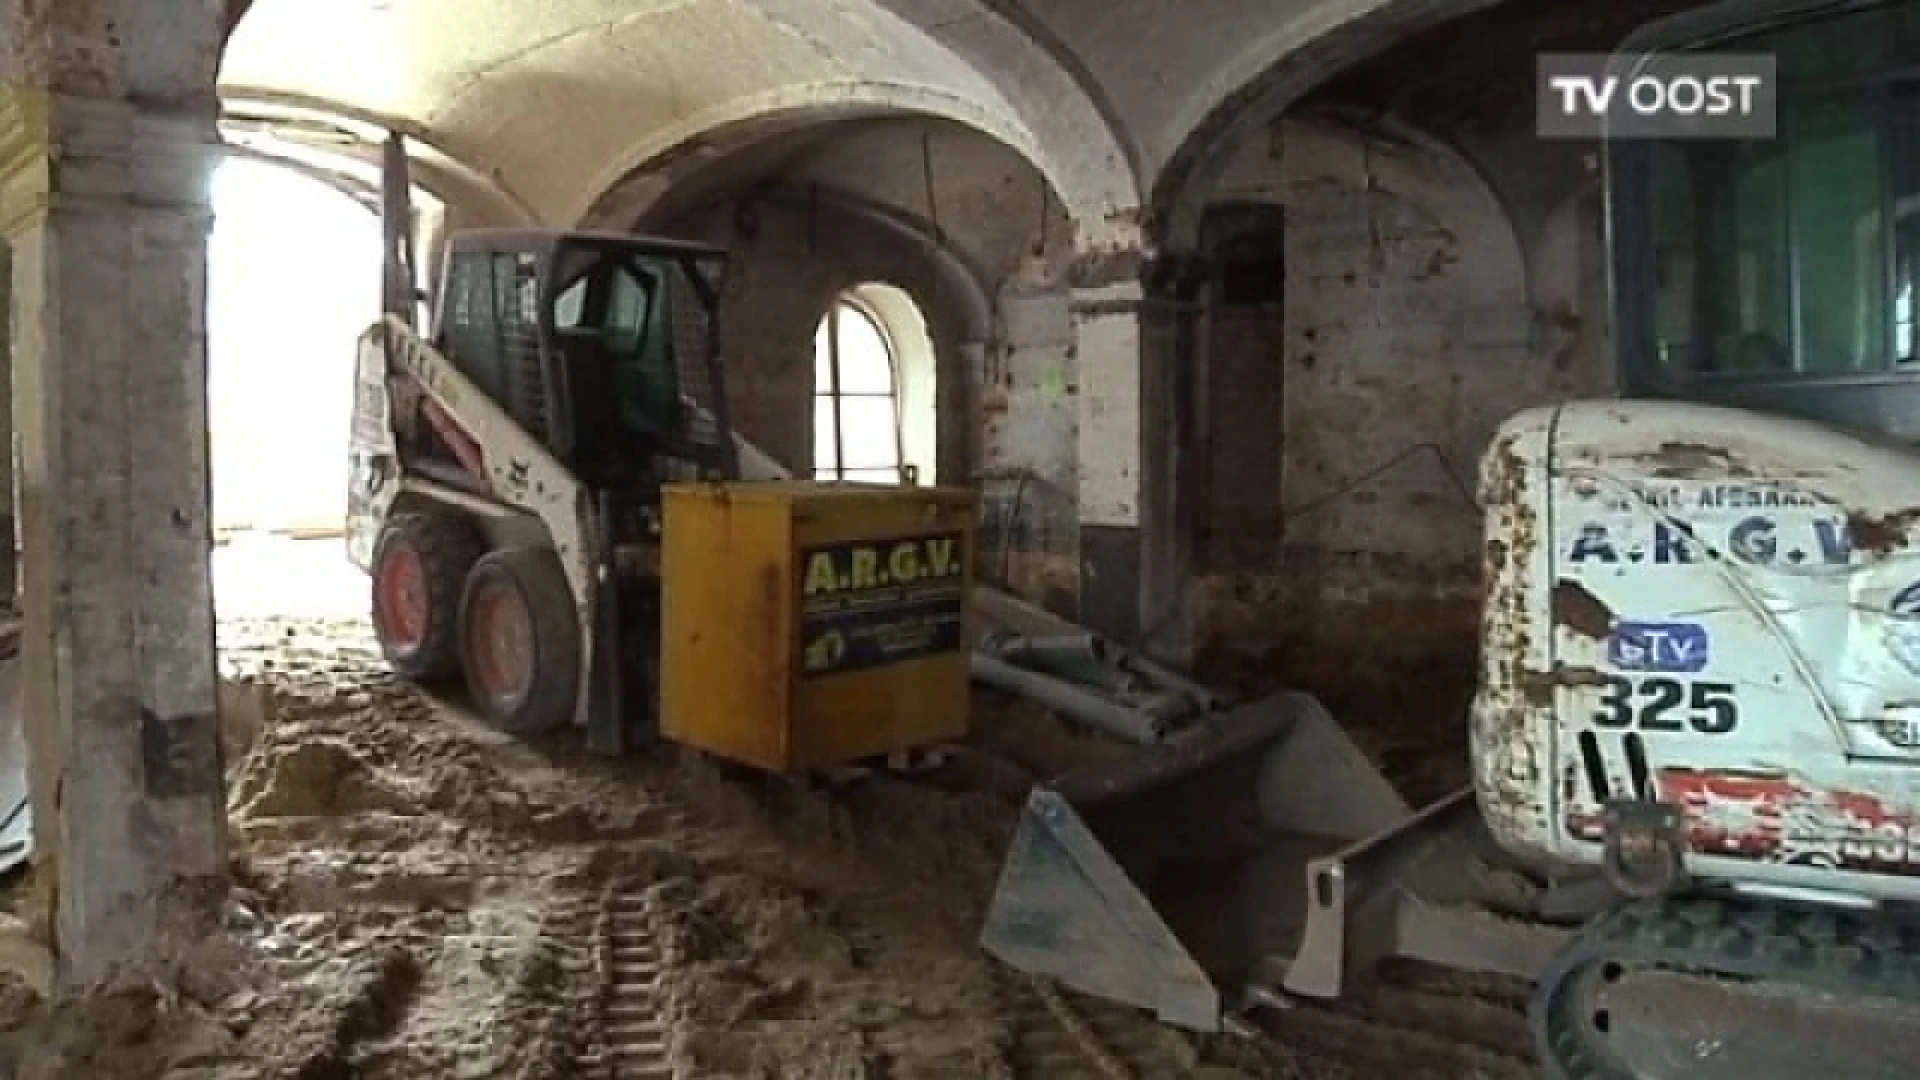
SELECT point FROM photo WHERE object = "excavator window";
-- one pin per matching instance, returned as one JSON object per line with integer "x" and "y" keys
{"x": 1792, "y": 258}
{"x": 1780, "y": 258}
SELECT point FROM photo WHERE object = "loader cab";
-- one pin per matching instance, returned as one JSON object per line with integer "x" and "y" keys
{"x": 603, "y": 347}
{"x": 1780, "y": 274}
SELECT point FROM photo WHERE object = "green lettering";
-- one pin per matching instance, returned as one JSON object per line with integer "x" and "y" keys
{"x": 820, "y": 575}
{"x": 904, "y": 563}
{"x": 866, "y": 568}
{"x": 940, "y": 560}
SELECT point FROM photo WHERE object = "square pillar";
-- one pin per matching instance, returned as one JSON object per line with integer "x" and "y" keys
{"x": 106, "y": 139}
{"x": 1172, "y": 471}
{"x": 1029, "y": 417}
{"x": 1107, "y": 348}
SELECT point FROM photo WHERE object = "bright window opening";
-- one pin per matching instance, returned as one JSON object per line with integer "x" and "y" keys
{"x": 293, "y": 278}
{"x": 873, "y": 405}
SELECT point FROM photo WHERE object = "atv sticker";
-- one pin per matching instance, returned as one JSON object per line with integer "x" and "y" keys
{"x": 1658, "y": 647}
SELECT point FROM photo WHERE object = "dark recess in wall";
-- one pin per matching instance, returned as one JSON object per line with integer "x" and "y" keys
{"x": 1253, "y": 281}
{"x": 1244, "y": 245}
{"x": 1244, "y": 248}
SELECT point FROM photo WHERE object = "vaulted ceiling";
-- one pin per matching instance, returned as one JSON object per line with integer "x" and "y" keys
{"x": 553, "y": 103}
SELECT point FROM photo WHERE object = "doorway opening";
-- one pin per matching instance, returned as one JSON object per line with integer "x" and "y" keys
{"x": 293, "y": 278}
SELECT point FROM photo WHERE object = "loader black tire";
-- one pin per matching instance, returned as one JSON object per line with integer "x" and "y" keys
{"x": 420, "y": 566}
{"x": 520, "y": 640}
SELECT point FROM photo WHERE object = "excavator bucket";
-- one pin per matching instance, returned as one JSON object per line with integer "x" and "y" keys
{"x": 1192, "y": 864}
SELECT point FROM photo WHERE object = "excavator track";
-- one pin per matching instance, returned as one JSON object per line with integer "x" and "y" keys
{"x": 1721, "y": 986}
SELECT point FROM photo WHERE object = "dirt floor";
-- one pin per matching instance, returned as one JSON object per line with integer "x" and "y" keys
{"x": 422, "y": 898}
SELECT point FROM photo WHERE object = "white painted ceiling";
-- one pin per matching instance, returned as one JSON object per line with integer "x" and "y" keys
{"x": 558, "y": 99}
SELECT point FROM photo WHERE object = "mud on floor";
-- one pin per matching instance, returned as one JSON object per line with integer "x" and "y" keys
{"x": 419, "y": 897}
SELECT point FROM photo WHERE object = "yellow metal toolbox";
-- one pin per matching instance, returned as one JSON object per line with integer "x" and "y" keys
{"x": 805, "y": 625}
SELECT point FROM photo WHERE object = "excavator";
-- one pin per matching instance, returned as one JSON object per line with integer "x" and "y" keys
{"x": 1694, "y": 815}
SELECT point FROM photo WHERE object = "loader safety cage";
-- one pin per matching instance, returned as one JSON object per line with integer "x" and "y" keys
{"x": 633, "y": 332}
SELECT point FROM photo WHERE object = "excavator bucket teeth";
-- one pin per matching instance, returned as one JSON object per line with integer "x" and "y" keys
{"x": 1167, "y": 878}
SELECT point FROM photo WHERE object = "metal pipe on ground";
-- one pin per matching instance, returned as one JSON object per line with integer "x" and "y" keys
{"x": 1077, "y": 658}
{"x": 1084, "y": 648}
{"x": 1089, "y": 658}
{"x": 1204, "y": 696}
{"x": 1170, "y": 707}
{"x": 1120, "y": 721}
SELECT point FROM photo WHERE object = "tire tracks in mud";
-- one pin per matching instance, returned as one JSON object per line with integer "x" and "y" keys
{"x": 595, "y": 996}
{"x": 1456, "y": 1031}
{"x": 545, "y": 1021}
{"x": 1400, "y": 1027}
{"x": 638, "y": 1029}
{"x": 591, "y": 1000}
{"x": 1416, "y": 1023}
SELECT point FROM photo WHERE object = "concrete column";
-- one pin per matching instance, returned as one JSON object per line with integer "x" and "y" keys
{"x": 1107, "y": 347}
{"x": 1028, "y": 420}
{"x": 959, "y": 427}
{"x": 9, "y": 537}
{"x": 107, "y": 138}
{"x": 1172, "y": 474}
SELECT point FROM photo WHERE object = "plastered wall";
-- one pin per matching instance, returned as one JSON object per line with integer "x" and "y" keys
{"x": 1348, "y": 402}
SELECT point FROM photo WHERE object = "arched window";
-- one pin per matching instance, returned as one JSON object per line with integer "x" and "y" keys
{"x": 856, "y": 405}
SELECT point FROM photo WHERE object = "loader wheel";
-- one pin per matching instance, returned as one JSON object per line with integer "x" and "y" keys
{"x": 519, "y": 641}
{"x": 419, "y": 568}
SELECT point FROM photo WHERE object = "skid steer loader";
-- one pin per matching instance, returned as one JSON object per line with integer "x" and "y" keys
{"x": 1696, "y": 735}
{"x": 551, "y": 504}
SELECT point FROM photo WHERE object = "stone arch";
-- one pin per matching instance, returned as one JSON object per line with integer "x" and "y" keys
{"x": 635, "y": 204}
{"x": 1261, "y": 81}
{"x": 621, "y": 192}
{"x": 575, "y": 96}
{"x": 347, "y": 141}
{"x": 1060, "y": 97}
